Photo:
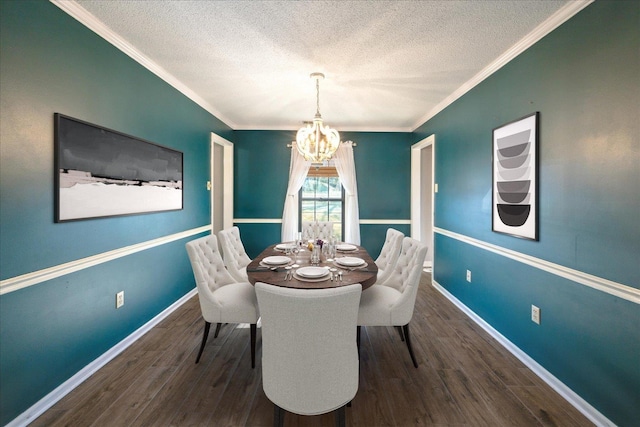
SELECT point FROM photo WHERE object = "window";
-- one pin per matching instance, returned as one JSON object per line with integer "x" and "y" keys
{"x": 322, "y": 198}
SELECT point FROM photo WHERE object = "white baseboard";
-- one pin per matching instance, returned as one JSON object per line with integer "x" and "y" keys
{"x": 65, "y": 388}
{"x": 569, "y": 395}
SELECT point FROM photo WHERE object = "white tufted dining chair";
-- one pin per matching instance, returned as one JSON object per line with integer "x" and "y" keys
{"x": 389, "y": 254}
{"x": 309, "y": 353}
{"x": 222, "y": 298}
{"x": 233, "y": 253}
{"x": 316, "y": 229}
{"x": 392, "y": 304}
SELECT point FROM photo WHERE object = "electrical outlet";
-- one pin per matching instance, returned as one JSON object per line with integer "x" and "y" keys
{"x": 469, "y": 276}
{"x": 535, "y": 314}
{"x": 435, "y": 187}
{"x": 119, "y": 299}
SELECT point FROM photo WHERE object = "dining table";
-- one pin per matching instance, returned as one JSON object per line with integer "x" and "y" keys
{"x": 352, "y": 264}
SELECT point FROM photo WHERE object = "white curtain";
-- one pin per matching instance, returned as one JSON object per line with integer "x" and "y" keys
{"x": 298, "y": 169}
{"x": 346, "y": 168}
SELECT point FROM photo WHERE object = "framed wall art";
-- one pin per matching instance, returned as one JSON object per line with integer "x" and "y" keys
{"x": 101, "y": 172}
{"x": 515, "y": 178}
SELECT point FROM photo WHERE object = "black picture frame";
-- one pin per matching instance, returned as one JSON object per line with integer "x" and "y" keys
{"x": 515, "y": 178}
{"x": 101, "y": 172}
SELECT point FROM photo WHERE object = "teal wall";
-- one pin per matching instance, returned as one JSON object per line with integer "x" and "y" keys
{"x": 261, "y": 173}
{"x": 51, "y": 63}
{"x": 583, "y": 78}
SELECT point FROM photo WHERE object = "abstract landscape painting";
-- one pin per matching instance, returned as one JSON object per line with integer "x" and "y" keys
{"x": 515, "y": 172}
{"x": 101, "y": 172}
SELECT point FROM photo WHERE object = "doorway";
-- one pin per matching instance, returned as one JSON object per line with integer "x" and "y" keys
{"x": 221, "y": 184}
{"x": 423, "y": 189}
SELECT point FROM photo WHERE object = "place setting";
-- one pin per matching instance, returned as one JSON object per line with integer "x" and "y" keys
{"x": 285, "y": 247}
{"x": 350, "y": 263}
{"x": 275, "y": 262}
{"x": 346, "y": 247}
{"x": 312, "y": 274}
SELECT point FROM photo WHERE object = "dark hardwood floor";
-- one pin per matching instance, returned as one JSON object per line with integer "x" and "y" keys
{"x": 465, "y": 378}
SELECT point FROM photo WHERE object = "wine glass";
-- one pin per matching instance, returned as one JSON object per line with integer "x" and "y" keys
{"x": 296, "y": 250}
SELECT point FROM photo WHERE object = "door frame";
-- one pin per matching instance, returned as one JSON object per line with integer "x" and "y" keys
{"x": 416, "y": 187}
{"x": 227, "y": 180}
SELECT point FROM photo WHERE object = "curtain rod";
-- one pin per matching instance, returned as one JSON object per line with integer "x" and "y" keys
{"x": 353, "y": 144}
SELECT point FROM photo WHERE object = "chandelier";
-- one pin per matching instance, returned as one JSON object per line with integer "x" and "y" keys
{"x": 315, "y": 141}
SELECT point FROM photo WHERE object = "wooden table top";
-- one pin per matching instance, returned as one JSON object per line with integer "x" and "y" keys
{"x": 366, "y": 276}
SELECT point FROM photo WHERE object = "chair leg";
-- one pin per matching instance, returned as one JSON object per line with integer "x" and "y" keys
{"x": 399, "y": 328}
{"x": 253, "y": 345}
{"x": 217, "y": 330}
{"x": 207, "y": 326}
{"x": 340, "y": 417}
{"x": 278, "y": 416}
{"x": 408, "y": 341}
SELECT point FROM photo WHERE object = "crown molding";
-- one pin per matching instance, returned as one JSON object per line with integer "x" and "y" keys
{"x": 90, "y": 21}
{"x": 87, "y": 19}
{"x": 554, "y": 21}
{"x": 338, "y": 128}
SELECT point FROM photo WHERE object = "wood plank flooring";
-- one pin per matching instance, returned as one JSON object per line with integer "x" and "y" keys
{"x": 464, "y": 378}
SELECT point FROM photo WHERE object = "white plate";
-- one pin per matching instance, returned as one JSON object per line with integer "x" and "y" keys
{"x": 276, "y": 260}
{"x": 285, "y": 246}
{"x": 350, "y": 261}
{"x": 346, "y": 247}
{"x": 309, "y": 279}
{"x": 312, "y": 272}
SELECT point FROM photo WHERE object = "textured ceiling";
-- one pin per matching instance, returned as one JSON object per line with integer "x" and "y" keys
{"x": 387, "y": 63}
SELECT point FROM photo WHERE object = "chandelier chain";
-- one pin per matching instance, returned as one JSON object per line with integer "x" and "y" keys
{"x": 318, "y": 97}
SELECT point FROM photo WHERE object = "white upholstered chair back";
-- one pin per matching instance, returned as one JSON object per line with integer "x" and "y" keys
{"x": 309, "y": 353}
{"x": 406, "y": 278}
{"x": 392, "y": 304}
{"x": 389, "y": 254}
{"x": 209, "y": 272}
{"x": 316, "y": 229}
{"x": 234, "y": 255}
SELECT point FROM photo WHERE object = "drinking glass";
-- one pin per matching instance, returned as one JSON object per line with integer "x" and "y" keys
{"x": 296, "y": 251}
{"x": 332, "y": 249}
{"x": 315, "y": 255}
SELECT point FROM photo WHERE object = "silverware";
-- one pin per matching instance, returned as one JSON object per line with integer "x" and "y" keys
{"x": 264, "y": 267}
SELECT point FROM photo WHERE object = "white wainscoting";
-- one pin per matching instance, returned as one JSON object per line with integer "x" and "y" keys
{"x": 613, "y": 288}
{"x": 25, "y": 280}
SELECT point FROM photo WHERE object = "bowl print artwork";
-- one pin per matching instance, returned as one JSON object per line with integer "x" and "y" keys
{"x": 514, "y": 177}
